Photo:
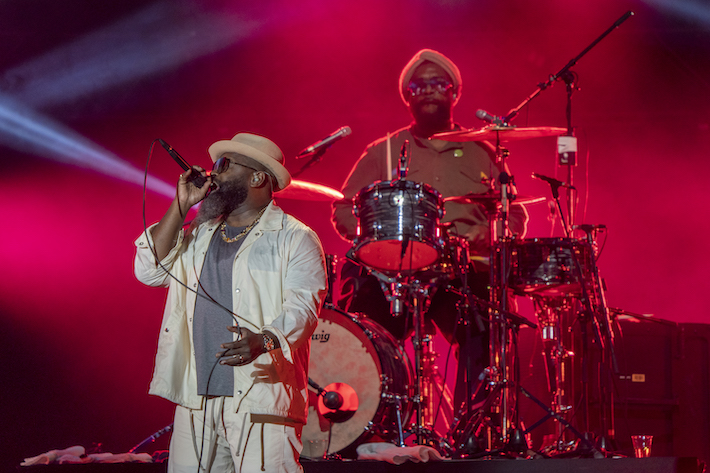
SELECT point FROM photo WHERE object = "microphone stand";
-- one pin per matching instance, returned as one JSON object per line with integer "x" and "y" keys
{"x": 568, "y": 77}
{"x": 315, "y": 158}
{"x": 553, "y": 78}
{"x": 152, "y": 438}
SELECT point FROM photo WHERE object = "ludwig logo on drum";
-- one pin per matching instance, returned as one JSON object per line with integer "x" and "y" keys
{"x": 320, "y": 337}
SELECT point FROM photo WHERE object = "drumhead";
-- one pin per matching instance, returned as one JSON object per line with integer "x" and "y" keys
{"x": 347, "y": 350}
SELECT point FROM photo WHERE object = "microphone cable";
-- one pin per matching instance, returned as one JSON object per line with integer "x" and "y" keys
{"x": 205, "y": 296}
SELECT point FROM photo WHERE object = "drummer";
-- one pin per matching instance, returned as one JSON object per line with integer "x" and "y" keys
{"x": 430, "y": 87}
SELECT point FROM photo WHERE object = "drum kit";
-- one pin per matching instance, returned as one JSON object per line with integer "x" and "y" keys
{"x": 364, "y": 387}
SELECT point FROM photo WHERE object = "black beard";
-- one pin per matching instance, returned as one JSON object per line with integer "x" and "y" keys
{"x": 434, "y": 122}
{"x": 222, "y": 202}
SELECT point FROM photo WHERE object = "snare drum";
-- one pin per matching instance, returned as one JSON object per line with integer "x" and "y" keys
{"x": 360, "y": 358}
{"x": 547, "y": 266}
{"x": 398, "y": 226}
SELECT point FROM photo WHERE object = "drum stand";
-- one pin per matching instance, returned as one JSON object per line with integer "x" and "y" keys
{"x": 503, "y": 433}
{"x": 499, "y": 373}
{"x": 594, "y": 314}
{"x": 413, "y": 294}
{"x": 407, "y": 295}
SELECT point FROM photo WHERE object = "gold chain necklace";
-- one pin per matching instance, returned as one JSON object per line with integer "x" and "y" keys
{"x": 223, "y": 229}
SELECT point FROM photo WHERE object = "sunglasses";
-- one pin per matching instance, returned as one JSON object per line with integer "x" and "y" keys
{"x": 418, "y": 86}
{"x": 222, "y": 164}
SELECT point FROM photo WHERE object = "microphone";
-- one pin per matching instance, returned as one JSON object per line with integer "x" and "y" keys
{"x": 339, "y": 134}
{"x": 487, "y": 117}
{"x": 551, "y": 180}
{"x": 585, "y": 227}
{"x": 196, "y": 178}
{"x": 333, "y": 400}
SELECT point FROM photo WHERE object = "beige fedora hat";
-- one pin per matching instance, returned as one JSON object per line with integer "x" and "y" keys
{"x": 258, "y": 148}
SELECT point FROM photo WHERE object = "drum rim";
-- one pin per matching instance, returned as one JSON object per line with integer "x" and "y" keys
{"x": 375, "y": 337}
{"x": 392, "y": 183}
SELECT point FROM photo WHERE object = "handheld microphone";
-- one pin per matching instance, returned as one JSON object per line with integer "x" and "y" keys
{"x": 339, "y": 134}
{"x": 196, "y": 178}
{"x": 551, "y": 180}
{"x": 487, "y": 117}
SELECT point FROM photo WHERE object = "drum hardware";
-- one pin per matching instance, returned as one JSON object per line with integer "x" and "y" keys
{"x": 499, "y": 336}
{"x": 499, "y": 286}
{"x": 404, "y": 160}
{"x": 601, "y": 319}
{"x": 587, "y": 287}
{"x": 561, "y": 289}
{"x": 431, "y": 373}
{"x": 595, "y": 312}
{"x": 331, "y": 269}
{"x": 583, "y": 442}
{"x": 398, "y": 404}
{"x": 412, "y": 292}
{"x": 554, "y": 314}
{"x": 421, "y": 342}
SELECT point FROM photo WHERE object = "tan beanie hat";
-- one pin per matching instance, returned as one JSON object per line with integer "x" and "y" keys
{"x": 437, "y": 58}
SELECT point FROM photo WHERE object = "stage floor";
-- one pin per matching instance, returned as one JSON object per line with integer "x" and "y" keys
{"x": 578, "y": 465}
{"x": 584, "y": 465}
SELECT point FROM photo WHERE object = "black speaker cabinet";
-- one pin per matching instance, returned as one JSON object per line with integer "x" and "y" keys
{"x": 662, "y": 387}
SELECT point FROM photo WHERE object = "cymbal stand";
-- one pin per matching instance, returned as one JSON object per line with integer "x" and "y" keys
{"x": 423, "y": 356}
{"x": 410, "y": 293}
{"x": 499, "y": 373}
{"x": 589, "y": 316}
{"x": 554, "y": 313}
{"x": 602, "y": 321}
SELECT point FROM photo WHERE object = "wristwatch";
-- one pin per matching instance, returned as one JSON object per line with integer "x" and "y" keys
{"x": 268, "y": 342}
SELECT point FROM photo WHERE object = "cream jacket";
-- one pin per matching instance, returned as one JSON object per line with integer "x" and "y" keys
{"x": 279, "y": 284}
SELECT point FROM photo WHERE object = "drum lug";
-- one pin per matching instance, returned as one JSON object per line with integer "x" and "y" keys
{"x": 419, "y": 230}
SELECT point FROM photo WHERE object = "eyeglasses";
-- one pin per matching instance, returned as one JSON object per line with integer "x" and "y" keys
{"x": 418, "y": 86}
{"x": 222, "y": 164}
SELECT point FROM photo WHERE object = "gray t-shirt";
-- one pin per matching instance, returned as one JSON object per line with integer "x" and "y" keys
{"x": 210, "y": 321}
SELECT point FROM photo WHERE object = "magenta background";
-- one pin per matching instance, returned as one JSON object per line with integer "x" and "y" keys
{"x": 79, "y": 333}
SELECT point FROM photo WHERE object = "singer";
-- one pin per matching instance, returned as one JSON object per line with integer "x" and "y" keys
{"x": 430, "y": 87}
{"x": 245, "y": 285}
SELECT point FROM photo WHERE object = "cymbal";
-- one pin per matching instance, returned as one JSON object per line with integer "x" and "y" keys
{"x": 503, "y": 133}
{"x": 488, "y": 198}
{"x": 304, "y": 190}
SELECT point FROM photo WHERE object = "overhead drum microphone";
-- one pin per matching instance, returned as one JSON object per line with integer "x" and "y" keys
{"x": 551, "y": 180}
{"x": 338, "y": 134}
{"x": 488, "y": 118}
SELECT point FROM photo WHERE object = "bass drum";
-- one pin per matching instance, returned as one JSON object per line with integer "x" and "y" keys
{"x": 357, "y": 358}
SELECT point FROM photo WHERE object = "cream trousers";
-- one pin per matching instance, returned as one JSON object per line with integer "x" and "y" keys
{"x": 229, "y": 442}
